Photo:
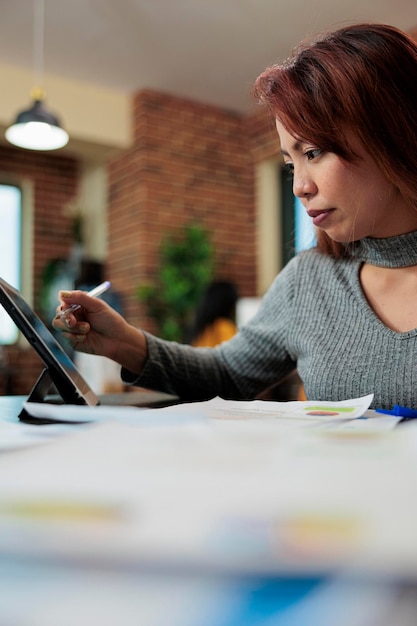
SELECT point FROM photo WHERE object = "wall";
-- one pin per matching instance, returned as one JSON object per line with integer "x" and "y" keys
{"x": 188, "y": 162}
{"x": 97, "y": 119}
{"x": 265, "y": 158}
{"x": 53, "y": 180}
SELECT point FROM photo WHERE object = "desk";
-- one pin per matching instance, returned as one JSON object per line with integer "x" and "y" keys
{"x": 10, "y": 407}
{"x": 42, "y": 585}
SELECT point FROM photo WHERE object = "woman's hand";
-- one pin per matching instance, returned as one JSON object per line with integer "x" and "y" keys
{"x": 96, "y": 328}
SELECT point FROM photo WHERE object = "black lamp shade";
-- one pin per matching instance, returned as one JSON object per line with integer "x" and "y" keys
{"x": 37, "y": 113}
{"x": 37, "y": 129}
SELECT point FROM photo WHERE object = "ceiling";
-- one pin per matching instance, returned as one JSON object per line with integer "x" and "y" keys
{"x": 206, "y": 50}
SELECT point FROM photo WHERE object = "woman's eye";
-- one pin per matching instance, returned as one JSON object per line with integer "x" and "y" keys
{"x": 313, "y": 154}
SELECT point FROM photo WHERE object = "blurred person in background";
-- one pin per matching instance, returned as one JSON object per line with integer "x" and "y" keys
{"x": 215, "y": 318}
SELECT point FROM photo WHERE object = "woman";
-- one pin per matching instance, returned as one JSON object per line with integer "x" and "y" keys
{"x": 344, "y": 314}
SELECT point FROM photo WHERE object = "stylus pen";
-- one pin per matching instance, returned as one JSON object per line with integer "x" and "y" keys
{"x": 97, "y": 291}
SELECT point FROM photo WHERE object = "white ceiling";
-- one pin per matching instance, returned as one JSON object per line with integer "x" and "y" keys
{"x": 207, "y": 50}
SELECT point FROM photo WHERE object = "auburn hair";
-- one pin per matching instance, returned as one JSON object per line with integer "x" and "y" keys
{"x": 362, "y": 79}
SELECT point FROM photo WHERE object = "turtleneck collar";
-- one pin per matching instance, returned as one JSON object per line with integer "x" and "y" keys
{"x": 398, "y": 251}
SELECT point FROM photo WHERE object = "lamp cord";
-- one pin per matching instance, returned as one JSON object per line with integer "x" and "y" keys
{"x": 38, "y": 46}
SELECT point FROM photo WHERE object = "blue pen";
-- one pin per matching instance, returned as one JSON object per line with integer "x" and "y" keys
{"x": 399, "y": 411}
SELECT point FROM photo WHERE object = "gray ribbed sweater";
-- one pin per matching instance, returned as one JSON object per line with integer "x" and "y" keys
{"x": 314, "y": 317}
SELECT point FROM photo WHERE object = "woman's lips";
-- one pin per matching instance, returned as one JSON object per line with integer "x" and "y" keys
{"x": 318, "y": 217}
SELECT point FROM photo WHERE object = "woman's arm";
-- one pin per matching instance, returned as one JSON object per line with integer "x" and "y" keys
{"x": 96, "y": 328}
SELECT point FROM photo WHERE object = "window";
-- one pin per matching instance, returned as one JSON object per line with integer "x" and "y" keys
{"x": 297, "y": 228}
{"x": 304, "y": 230}
{"x": 11, "y": 248}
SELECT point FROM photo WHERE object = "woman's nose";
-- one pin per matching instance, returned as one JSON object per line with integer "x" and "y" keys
{"x": 303, "y": 186}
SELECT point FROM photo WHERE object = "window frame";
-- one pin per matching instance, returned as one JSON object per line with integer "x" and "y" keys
{"x": 289, "y": 224}
{"x": 26, "y": 239}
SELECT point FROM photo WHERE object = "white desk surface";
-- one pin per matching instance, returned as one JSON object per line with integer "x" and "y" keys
{"x": 63, "y": 563}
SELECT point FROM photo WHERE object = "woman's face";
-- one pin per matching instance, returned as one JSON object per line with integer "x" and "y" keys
{"x": 348, "y": 201}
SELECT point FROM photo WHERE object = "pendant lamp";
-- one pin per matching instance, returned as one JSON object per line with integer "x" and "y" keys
{"x": 36, "y": 128}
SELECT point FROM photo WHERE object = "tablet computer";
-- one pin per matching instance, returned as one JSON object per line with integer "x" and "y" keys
{"x": 59, "y": 371}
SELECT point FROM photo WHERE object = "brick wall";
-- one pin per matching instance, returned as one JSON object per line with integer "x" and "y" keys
{"x": 54, "y": 179}
{"x": 190, "y": 163}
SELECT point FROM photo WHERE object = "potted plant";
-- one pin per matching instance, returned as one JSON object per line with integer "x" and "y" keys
{"x": 186, "y": 267}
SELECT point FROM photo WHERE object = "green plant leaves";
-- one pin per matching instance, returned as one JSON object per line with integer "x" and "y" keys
{"x": 186, "y": 267}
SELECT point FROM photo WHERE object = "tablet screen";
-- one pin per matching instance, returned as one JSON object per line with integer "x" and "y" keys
{"x": 61, "y": 370}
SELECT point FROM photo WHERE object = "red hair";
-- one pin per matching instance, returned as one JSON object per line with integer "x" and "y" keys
{"x": 360, "y": 79}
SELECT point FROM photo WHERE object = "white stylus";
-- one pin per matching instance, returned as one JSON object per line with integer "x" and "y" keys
{"x": 97, "y": 291}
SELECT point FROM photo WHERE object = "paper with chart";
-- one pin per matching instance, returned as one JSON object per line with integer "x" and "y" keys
{"x": 298, "y": 414}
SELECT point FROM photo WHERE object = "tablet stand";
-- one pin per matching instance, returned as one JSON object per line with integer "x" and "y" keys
{"x": 39, "y": 392}
{"x": 41, "y": 387}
